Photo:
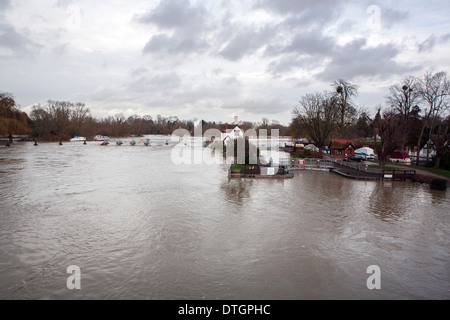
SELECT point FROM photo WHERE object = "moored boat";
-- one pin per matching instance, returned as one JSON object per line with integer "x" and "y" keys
{"x": 101, "y": 137}
{"x": 78, "y": 139}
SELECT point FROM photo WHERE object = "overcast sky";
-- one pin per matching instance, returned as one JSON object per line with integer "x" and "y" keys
{"x": 213, "y": 59}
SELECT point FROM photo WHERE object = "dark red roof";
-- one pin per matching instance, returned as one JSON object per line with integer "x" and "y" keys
{"x": 341, "y": 144}
{"x": 224, "y": 128}
{"x": 399, "y": 155}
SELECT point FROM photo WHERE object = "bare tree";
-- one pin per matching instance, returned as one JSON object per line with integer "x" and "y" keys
{"x": 12, "y": 120}
{"x": 435, "y": 92}
{"x": 347, "y": 114}
{"x": 387, "y": 127}
{"x": 402, "y": 99}
{"x": 441, "y": 140}
{"x": 317, "y": 116}
{"x": 79, "y": 113}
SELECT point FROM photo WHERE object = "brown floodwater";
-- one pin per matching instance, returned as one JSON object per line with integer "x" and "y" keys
{"x": 140, "y": 227}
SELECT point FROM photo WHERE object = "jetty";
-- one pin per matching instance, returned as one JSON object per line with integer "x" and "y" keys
{"x": 259, "y": 172}
{"x": 351, "y": 170}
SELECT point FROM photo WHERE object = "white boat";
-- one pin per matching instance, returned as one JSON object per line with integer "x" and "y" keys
{"x": 367, "y": 153}
{"x": 101, "y": 137}
{"x": 78, "y": 139}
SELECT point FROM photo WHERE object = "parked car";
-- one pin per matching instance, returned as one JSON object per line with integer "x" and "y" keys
{"x": 355, "y": 159}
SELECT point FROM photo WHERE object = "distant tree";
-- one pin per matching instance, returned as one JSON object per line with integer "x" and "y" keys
{"x": 264, "y": 123}
{"x": 79, "y": 113}
{"x": 347, "y": 113}
{"x": 296, "y": 129}
{"x": 403, "y": 99}
{"x": 387, "y": 126}
{"x": 435, "y": 93}
{"x": 12, "y": 120}
{"x": 246, "y": 125}
{"x": 441, "y": 139}
{"x": 362, "y": 126}
{"x": 317, "y": 116}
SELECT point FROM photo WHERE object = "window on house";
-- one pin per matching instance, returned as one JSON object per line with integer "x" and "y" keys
{"x": 339, "y": 152}
{"x": 350, "y": 151}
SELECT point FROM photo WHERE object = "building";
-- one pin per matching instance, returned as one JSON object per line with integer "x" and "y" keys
{"x": 231, "y": 132}
{"x": 341, "y": 149}
{"x": 400, "y": 157}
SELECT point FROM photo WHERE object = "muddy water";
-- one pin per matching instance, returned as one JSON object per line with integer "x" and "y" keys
{"x": 140, "y": 227}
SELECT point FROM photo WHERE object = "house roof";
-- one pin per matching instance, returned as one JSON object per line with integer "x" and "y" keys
{"x": 442, "y": 139}
{"x": 227, "y": 128}
{"x": 399, "y": 155}
{"x": 341, "y": 144}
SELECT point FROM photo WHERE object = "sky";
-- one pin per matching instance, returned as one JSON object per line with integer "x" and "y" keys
{"x": 214, "y": 59}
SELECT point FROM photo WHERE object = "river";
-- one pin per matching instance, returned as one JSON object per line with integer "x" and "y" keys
{"x": 140, "y": 227}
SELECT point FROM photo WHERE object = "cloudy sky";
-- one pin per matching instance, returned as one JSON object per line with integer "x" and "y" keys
{"x": 214, "y": 59}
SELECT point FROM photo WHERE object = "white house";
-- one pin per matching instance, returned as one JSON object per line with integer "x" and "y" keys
{"x": 232, "y": 134}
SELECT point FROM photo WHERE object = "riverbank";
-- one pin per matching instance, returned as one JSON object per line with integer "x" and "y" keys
{"x": 355, "y": 174}
{"x": 416, "y": 175}
{"x": 424, "y": 176}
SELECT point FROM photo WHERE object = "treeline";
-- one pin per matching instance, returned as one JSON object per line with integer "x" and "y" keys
{"x": 61, "y": 120}
{"x": 416, "y": 113}
{"x": 12, "y": 120}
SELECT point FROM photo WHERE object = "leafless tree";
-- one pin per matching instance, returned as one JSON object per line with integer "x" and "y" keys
{"x": 317, "y": 116}
{"x": 347, "y": 114}
{"x": 402, "y": 99}
{"x": 387, "y": 126}
{"x": 441, "y": 140}
{"x": 79, "y": 113}
{"x": 434, "y": 90}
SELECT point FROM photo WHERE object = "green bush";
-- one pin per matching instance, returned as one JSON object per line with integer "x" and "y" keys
{"x": 445, "y": 161}
{"x": 431, "y": 163}
{"x": 438, "y": 184}
{"x": 307, "y": 153}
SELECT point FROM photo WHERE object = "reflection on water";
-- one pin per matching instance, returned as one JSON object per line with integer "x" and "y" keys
{"x": 141, "y": 227}
{"x": 237, "y": 190}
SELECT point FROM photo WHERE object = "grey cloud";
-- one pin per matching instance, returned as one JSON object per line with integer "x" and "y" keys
{"x": 429, "y": 44}
{"x": 313, "y": 17}
{"x": 390, "y": 17}
{"x": 169, "y": 81}
{"x": 63, "y": 3}
{"x": 61, "y": 50}
{"x": 295, "y": 6}
{"x": 354, "y": 60}
{"x": 263, "y": 105}
{"x": 246, "y": 41}
{"x": 287, "y": 63}
{"x": 4, "y": 4}
{"x": 139, "y": 72}
{"x": 179, "y": 43}
{"x": 18, "y": 43}
{"x": 303, "y": 14}
{"x": 445, "y": 38}
{"x": 187, "y": 21}
{"x": 174, "y": 14}
{"x": 310, "y": 43}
